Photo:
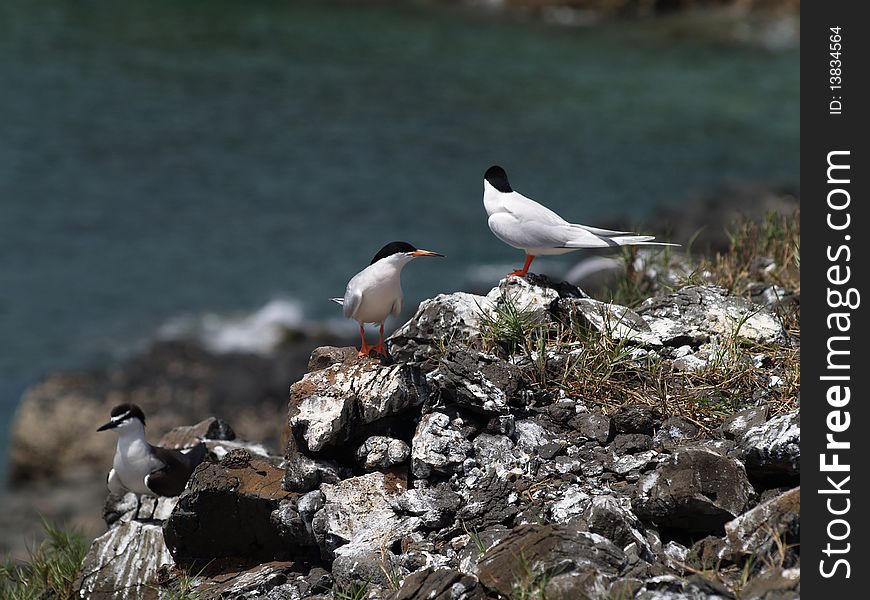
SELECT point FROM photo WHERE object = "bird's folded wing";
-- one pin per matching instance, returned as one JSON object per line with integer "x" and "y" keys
{"x": 351, "y": 303}
{"x": 172, "y": 477}
{"x": 599, "y": 231}
{"x": 529, "y": 234}
{"x": 114, "y": 483}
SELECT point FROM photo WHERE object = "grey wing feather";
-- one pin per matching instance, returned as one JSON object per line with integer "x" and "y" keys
{"x": 172, "y": 478}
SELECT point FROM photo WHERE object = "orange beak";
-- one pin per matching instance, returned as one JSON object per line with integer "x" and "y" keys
{"x": 425, "y": 253}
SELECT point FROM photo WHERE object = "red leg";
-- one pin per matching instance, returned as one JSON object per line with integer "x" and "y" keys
{"x": 364, "y": 348}
{"x": 525, "y": 269}
{"x": 380, "y": 347}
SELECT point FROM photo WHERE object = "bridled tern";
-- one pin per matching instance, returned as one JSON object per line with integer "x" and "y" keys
{"x": 142, "y": 468}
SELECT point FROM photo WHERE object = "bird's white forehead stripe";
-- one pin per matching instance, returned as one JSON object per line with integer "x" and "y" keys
{"x": 121, "y": 417}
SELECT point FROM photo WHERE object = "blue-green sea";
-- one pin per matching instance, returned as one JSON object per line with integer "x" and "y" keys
{"x": 168, "y": 158}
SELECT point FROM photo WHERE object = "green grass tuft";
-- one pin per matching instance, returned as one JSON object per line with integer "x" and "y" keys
{"x": 50, "y": 570}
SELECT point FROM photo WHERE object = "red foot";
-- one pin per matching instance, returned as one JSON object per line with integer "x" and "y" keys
{"x": 525, "y": 269}
{"x": 364, "y": 348}
{"x": 380, "y": 347}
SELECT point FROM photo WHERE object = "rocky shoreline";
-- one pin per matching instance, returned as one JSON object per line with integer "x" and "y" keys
{"x": 461, "y": 469}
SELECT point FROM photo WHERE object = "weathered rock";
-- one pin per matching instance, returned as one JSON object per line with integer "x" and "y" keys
{"x": 457, "y": 317}
{"x": 772, "y": 451}
{"x": 439, "y": 444}
{"x": 694, "y": 314}
{"x": 736, "y": 426}
{"x": 760, "y": 531}
{"x": 326, "y": 356}
{"x": 439, "y": 584}
{"x": 472, "y": 545}
{"x": 275, "y": 580}
{"x": 189, "y": 436}
{"x": 674, "y": 432}
{"x": 611, "y": 517}
{"x": 333, "y": 405}
{"x": 124, "y": 561}
{"x": 572, "y": 504}
{"x": 593, "y": 426}
{"x": 612, "y": 320}
{"x": 480, "y": 382}
{"x": 491, "y": 501}
{"x": 226, "y": 511}
{"x": 636, "y": 418}
{"x": 531, "y": 295}
{"x": 454, "y": 317}
{"x": 357, "y": 516}
{"x": 435, "y": 506}
{"x": 671, "y": 587}
{"x": 633, "y": 462}
{"x": 498, "y": 454}
{"x": 696, "y": 490}
{"x": 303, "y": 474}
{"x": 381, "y": 452}
{"x": 630, "y": 443}
{"x": 532, "y": 554}
{"x": 774, "y": 583}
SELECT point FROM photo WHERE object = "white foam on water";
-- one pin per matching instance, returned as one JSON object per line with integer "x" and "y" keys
{"x": 260, "y": 332}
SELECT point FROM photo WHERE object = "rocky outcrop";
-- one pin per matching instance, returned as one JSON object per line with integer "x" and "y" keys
{"x": 456, "y": 472}
{"x": 124, "y": 561}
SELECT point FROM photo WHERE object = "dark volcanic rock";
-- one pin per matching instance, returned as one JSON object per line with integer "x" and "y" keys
{"x": 489, "y": 502}
{"x": 532, "y": 553}
{"x": 696, "y": 490}
{"x": 226, "y": 511}
{"x": 439, "y": 584}
{"x": 629, "y": 443}
{"x": 736, "y": 426}
{"x": 593, "y": 426}
{"x": 767, "y": 529}
{"x": 479, "y": 382}
{"x": 435, "y": 506}
{"x": 636, "y": 418}
{"x": 772, "y": 451}
{"x": 674, "y": 432}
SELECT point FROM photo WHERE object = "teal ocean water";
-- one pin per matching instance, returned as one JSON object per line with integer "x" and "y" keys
{"x": 161, "y": 159}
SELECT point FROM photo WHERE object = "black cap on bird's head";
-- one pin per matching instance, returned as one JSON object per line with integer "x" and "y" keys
{"x": 401, "y": 248}
{"x": 497, "y": 178}
{"x": 123, "y": 413}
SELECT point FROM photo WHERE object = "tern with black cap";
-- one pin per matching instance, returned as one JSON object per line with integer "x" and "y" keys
{"x": 142, "y": 468}
{"x": 523, "y": 223}
{"x": 375, "y": 293}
